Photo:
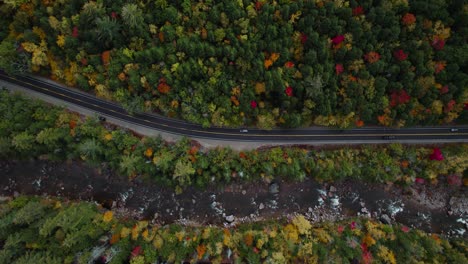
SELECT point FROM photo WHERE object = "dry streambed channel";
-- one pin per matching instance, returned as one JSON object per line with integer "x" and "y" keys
{"x": 439, "y": 209}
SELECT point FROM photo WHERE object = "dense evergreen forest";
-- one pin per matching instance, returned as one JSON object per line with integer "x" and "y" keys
{"x": 244, "y": 63}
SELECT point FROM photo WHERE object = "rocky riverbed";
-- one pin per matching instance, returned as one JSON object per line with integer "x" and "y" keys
{"x": 439, "y": 209}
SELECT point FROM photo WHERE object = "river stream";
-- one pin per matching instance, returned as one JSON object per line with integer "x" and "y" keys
{"x": 439, "y": 209}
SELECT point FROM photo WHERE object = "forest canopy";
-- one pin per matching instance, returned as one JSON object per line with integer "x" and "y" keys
{"x": 243, "y": 63}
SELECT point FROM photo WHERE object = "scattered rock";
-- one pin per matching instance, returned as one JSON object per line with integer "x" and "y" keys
{"x": 385, "y": 219}
{"x": 274, "y": 188}
{"x": 244, "y": 192}
{"x": 335, "y": 202}
{"x": 332, "y": 189}
{"x": 230, "y": 218}
{"x": 459, "y": 205}
{"x": 261, "y": 206}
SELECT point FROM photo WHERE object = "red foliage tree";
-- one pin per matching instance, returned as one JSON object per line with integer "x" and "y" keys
{"x": 408, "y": 19}
{"x": 339, "y": 68}
{"x": 400, "y": 55}
{"x": 136, "y": 251}
{"x": 399, "y": 97}
{"x": 419, "y": 180}
{"x": 163, "y": 87}
{"x": 372, "y": 57}
{"x": 436, "y": 154}
{"x": 303, "y": 38}
{"x": 75, "y": 32}
{"x": 289, "y": 64}
{"x": 357, "y": 11}
{"x": 289, "y": 91}
{"x": 258, "y": 5}
{"x": 444, "y": 89}
{"x": 337, "y": 40}
{"x": 105, "y": 57}
{"x": 450, "y": 106}
{"x": 253, "y": 104}
{"x": 438, "y": 43}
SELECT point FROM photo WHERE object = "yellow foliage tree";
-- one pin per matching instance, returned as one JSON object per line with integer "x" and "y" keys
{"x": 437, "y": 107}
{"x": 302, "y": 224}
{"x": 61, "y": 41}
{"x": 260, "y": 88}
{"x": 39, "y": 56}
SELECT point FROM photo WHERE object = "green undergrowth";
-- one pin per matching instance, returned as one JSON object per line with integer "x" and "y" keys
{"x": 48, "y": 230}
{"x": 31, "y": 129}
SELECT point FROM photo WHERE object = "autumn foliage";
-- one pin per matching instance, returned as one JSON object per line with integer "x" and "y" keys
{"x": 436, "y": 154}
{"x": 163, "y": 87}
{"x": 400, "y": 55}
{"x": 372, "y": 57}
{"x": 408, "y": 19}
{"x": 105, "y": 57}
{"x": 399, "y": 97}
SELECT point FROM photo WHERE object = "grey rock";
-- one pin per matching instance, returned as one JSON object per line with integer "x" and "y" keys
{"x": 261, "y": 206}
{"x": 274, "y": 188}
{"x": 335, "y": 202}
{"x": 230, "y": 218}
{"x": 332, "y": 189}
{"x": 385, "y": 219}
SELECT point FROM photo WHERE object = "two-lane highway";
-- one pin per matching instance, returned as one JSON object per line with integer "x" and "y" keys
{"x": 178, "y": 127}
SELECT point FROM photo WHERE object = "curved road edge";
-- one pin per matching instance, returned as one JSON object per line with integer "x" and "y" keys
{"x": 240, "y": 141}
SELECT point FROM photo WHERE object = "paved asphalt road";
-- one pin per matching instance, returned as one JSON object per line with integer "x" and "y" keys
{"x": 105, "y": 108}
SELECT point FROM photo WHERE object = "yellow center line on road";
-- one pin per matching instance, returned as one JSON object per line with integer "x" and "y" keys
{"x": 243, "y": 134}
